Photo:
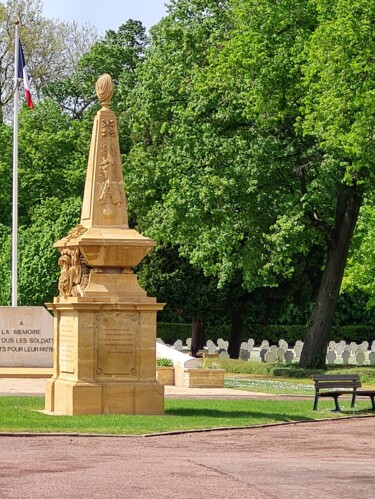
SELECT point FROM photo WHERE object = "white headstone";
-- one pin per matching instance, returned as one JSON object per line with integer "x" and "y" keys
{"x": 365, "y": 345}
{"x": 262, "y": 354}
{"x": 244, "y": 345}
{"x": 244, "y": 354}
{"x": 178, "y": 345}
{"x": 250, "y": 344}
{"x": 332, "y": 345}
{"x": 353, "y": 347}
{"x": 26, "y": 337}
{"x": 220, "y": 343}
{"x": 331, "y": 356}
{"x": 298, "y": 350}
{"x": 339, "y": 349}
{"x": 270, "y": 357}
{"x": 345, "y": 357}
{"x": 288, "y": 356}
{"x": 280, "y": 354}
{"x": 372, "y": 358}
{"x": 211, "y": 348}
{"x": 224, "y": 355}
{"x": 373, "y": 345}
{"x": 188, "y": 343}
{"x": 360, "y": 358}
{"x": 283, "y": 344}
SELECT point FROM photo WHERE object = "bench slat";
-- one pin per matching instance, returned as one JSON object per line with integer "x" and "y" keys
{"x": 339, "y": 384}
{"x": 335, "y": 393}
{"x": 333, "y": 377}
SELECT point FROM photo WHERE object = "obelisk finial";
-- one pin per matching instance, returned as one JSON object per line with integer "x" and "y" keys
{"x": 104, "y": 89}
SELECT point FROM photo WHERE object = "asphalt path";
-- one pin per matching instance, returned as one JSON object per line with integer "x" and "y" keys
{"x": 334, "y": 459}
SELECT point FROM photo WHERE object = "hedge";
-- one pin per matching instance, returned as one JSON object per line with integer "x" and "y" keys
{"x": 171, "y": 332}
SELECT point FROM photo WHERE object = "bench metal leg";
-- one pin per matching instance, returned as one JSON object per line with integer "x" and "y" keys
{"x": 373, "y": 402}
{"x": 353, "y": 400}
{"x": 316, "y": 402}
{"x": 337, "y": 407}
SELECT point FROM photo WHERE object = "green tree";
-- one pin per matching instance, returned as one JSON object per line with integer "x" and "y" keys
{"x": 117, "y": 54}
{"x": 339, "y": 78}
{"x": 206, "y": 167}
{"x": 189, "y": 295}
{"x": 38, "y": 268}
{"x": 253, "y": 145}
{"x": 51, "y": 48}
{"x": 53, "y": 153}
{"x": 359, "y": 277}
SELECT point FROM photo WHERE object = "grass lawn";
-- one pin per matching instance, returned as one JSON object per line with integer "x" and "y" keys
{"x": 19, "y": 414}
{"x": 270, "y": 385}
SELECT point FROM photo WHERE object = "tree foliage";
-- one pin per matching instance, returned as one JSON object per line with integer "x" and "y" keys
{"x": 253, "y": 140}
{"x": 52, "y": 48}
{"x": 117, "y": 54}
{"x": 53, "y": 150}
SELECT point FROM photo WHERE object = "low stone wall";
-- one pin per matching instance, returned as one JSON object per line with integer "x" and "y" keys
{"x": 203, "y": 378}
{"x": 165, "y": 375}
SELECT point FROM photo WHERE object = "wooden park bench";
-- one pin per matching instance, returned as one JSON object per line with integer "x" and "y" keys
{"x": 334, "y": 385}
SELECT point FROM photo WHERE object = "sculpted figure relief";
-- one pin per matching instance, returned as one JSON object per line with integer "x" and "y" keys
{"x": 66, "y": 277}
{"x": 74, "y": 273}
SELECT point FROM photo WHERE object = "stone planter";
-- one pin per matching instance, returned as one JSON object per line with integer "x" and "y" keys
{"x": 165, "y": 375}
{"x": 203, "y": 378}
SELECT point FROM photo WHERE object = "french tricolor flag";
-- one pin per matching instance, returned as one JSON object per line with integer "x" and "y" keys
{"x": 22, "y": 73}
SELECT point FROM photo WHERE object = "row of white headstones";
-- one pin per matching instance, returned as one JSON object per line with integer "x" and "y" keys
{"x": 339, "y": 353}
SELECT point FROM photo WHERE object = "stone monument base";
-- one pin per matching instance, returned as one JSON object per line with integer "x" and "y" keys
{"x": 69, "y": 398}
{"x": 104, "y": 359}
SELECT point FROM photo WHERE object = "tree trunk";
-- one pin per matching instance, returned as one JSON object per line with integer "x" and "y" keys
{"x": 236, "y": 333}
{"x": 318, "y": 335}
{"x": 197, "y": 335}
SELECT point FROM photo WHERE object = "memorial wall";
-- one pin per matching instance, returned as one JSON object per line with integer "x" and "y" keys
{"x": 26, "y": 337}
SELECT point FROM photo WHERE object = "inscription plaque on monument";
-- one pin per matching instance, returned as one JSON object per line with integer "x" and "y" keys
{"x": 26, "y": 337}
{"x": 116, "y": 336}
{"x": 66, "y": 351}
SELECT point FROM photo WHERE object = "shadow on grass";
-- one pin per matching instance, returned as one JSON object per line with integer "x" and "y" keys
{"x": 216, "y": 413}
{"x": 357, "y": 412}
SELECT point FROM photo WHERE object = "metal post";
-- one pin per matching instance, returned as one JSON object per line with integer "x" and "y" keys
{"x": 15, "y": 173}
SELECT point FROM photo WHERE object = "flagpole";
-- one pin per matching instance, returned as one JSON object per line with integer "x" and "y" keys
{"x": 15, "y": 173}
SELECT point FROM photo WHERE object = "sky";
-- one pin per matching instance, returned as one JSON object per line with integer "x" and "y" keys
{"x": 108, "y": 14}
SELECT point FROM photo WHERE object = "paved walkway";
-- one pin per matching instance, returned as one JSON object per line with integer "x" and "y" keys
{"x": 334, "y": 459}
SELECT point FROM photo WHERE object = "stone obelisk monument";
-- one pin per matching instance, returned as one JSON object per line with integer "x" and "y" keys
{"x": 104, "y": 322}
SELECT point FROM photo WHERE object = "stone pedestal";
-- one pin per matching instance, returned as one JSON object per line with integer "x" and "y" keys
{"x": 104, "y": 360}
{"x": 104, "y": 322}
